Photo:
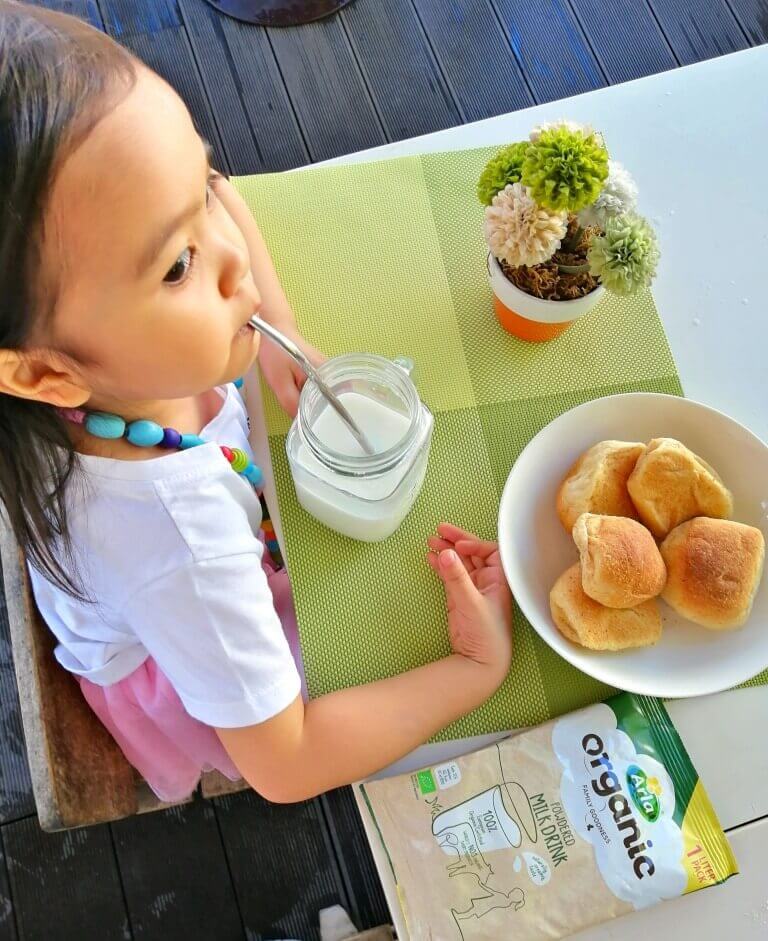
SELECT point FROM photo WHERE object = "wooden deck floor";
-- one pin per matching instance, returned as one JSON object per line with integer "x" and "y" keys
{"x": 379, "y": 71}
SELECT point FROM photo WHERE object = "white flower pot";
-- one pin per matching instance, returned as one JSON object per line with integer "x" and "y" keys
{"x": 531, "y": 318}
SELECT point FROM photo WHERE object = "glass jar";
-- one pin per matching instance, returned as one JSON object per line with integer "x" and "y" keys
{"x": 362, "y": 496}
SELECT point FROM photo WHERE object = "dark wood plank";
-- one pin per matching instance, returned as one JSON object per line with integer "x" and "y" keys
{"x": 285, "y": 851}
{"x": 244, "y": 85}
{"x": 175, "y": 876}
{"x": 401, "y": 71}
{"x": 84, "y": 9}
{"x": 332, "y": 103}
{"x": 753, "y": 18}
{"x": 475, "y": 57}
{"x": 7, "y": 917}
{"x": 368, "y": 907}
{"x": 16, "y": 799}
{"x": 550, "y": 45}
{"x": 625, "y": 38}
{"x": 128, "y": 16}
{"x": 699, "y": 31}
{"x": 64, "y": 885}
{"x": 169, "y": 53}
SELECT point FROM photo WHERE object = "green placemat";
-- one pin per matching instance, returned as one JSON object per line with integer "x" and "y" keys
{"x": 388, "y": 257}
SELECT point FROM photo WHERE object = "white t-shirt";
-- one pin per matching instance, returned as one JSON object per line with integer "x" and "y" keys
{"x": 168, "y": 549}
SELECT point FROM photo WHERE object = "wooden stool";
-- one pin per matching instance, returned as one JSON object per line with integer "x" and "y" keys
{"x": 79, "y": 775}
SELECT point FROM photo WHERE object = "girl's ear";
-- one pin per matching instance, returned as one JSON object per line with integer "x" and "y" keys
{"x": 43, "y": 376}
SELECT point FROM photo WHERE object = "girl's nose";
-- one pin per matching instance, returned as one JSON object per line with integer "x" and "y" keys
{"x": 235, "y": 265}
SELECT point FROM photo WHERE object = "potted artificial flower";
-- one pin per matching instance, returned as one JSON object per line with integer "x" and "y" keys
{"x": 561, "y": 228}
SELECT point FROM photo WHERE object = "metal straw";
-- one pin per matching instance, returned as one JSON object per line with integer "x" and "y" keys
{"x": 295, "y": 353}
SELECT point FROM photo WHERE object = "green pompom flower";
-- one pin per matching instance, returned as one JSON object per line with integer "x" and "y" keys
{"x": 503, "y": 168}
{"x": 565, "y": 169}
{"x": 625, "y": 257}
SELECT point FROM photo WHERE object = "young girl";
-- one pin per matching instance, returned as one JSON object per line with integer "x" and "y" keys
{"x": 128, "y": 272}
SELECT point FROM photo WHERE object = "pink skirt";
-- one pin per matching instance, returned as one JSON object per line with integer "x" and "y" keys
{"x": 144, "y": 715}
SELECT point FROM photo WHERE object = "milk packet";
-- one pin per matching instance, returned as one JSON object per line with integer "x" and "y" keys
{"x": 588, "y": 817}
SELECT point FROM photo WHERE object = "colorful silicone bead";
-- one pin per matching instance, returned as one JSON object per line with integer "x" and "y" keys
{"x": 227, "y": 453}
{"x": 238, "y": 383}
{"x": 171, "y": 438}
{"x": 240, "y": 460}
{"x": 76, "y": 415}
{"x": 190, "y": 441}
{"x": 253, "y": 475}
{"x": 144, "y": 433}
{"x": 104, "y": 425}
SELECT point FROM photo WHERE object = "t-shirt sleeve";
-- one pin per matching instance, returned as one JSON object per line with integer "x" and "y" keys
{"x": 212, "y": 629}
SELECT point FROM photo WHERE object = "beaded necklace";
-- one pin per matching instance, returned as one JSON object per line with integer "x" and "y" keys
{"x": 148, "y": 434}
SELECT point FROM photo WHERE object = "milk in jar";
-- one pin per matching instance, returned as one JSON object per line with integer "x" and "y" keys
{"x": 362, "y": 496}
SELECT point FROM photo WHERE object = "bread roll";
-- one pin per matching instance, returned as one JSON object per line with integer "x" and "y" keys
{"x": 620, "y": 564}
{"x": 671, "y": 484}
{"x": 585, "y": 622}
{"x": 597, "y": 482}
{"x": 713, "y": 571}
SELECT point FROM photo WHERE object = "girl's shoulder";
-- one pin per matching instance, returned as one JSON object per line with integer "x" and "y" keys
{"x": 137, "y": 521}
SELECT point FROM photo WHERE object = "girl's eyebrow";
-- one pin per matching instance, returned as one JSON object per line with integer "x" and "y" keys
{"x": 156, "y": 245}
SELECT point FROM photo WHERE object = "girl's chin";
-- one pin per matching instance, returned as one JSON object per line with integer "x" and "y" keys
{"x": 245, "y": 349}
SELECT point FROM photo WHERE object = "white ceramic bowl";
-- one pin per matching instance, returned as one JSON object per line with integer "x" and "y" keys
{"x": 535, "y": 549}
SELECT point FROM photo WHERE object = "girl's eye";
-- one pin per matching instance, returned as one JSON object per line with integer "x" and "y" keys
{"x": 181, "y": 267}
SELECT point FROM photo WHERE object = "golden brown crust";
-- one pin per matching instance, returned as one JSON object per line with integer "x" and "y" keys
{"x": 589, "y": 624}
{"x": 671, "y": 484}
{"x": 714, "y": 570}
{"x": 620, "y": 564}
{"x": 597, "y": 482}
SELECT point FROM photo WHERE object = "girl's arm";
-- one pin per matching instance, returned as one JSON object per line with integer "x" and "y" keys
{"x": 283, "y": 375}
{"x": 350, "y": 734}
{"x": 275, "y": 307}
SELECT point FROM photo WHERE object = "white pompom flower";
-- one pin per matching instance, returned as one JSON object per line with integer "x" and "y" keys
{"x": 617, "y": 198}
{"x": 519, "y": 231}
{"x": 572, "y": 126}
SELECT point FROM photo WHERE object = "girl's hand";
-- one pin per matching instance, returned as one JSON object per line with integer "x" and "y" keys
{"x": 285, "y": 377}
{"x": 478, "y": 597}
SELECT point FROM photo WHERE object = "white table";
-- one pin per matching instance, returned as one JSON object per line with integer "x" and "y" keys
{"x": 696, "y": 141}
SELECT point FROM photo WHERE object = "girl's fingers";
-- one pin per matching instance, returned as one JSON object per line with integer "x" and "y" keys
{"x": 449, "y": 531}
{"x": 459, "y": 587}
{"x": 477, "y": 547}
{"x": 434, "y": 555}
{"x": 457, "y": 535}
{"x": 438, "y": 544}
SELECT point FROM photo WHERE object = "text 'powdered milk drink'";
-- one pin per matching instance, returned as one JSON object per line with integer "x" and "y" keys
{"x": 591, "y": 816}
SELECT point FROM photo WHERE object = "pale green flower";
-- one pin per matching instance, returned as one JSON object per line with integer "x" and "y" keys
{"x": 625, "y": 257}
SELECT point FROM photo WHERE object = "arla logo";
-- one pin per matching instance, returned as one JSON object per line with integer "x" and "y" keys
{"x": 644, "y": 792}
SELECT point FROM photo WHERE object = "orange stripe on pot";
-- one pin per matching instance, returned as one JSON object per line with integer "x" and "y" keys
{"x": 531, "y": 330}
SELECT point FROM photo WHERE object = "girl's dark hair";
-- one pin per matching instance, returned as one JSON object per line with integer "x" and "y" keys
{"x": 58, "y": 78}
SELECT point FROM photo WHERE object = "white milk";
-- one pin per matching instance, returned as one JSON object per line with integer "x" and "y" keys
{"x": 383, "y": 426}
{"x": 368, "y": 508}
